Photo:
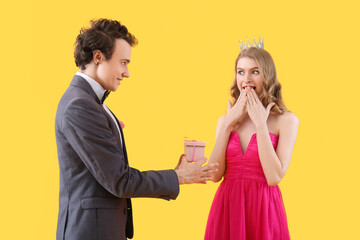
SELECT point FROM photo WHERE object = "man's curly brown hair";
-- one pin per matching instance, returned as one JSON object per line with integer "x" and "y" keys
{"x": 101, "y": 35}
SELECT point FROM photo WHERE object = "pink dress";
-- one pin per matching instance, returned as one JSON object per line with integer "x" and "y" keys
{"x": 245, "y": 206}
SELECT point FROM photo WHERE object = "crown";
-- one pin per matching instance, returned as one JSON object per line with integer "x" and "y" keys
{"x": 260, "y": 44}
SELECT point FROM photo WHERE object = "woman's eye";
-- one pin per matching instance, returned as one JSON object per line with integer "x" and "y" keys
{"x": 241, "y": 72}
{"x": 255, "y": 72}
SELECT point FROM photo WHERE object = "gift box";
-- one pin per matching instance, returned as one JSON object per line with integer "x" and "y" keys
{"x": 194, "y": 150}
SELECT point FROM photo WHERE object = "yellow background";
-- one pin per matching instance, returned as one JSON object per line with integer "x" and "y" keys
{"x": 181, "y": 73}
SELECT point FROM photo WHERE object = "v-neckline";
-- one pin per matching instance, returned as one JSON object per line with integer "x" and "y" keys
{"x": 252, "y": 136}
{"x": 243, "y": 153}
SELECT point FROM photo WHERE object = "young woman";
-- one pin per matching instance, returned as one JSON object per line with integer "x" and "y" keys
{"x": 254, "y": 143}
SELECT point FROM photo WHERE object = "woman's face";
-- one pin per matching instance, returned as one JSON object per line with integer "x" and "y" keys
{"x": 248, "y": 75}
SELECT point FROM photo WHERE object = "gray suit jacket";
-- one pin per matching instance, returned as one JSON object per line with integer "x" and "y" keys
{"x": 96, "y": 182}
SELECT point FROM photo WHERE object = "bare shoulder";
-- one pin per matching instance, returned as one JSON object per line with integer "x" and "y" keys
{"x": 288, "y": 122}
{"x": 278, "y": 122}
{"x": 288, "y": 118}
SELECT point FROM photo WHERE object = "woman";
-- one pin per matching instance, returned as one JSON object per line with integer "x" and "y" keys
{"x": 254, "y": 143}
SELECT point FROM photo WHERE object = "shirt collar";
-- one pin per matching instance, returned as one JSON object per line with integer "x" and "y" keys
{"x": 98, "y": 89}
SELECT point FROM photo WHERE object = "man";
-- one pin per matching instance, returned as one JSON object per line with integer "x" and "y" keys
{"x": 96, "y": 182}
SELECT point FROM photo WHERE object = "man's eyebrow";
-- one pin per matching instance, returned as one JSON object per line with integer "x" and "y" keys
{"x": 126, "y": 60}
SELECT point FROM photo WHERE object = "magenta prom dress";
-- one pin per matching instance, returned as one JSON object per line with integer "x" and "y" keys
{"x": 245, "y": 207}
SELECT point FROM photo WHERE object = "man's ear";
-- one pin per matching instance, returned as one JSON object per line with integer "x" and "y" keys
{"x": 98, "y": 57}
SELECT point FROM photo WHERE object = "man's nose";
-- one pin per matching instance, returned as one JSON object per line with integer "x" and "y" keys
{"x": 126, "y": 73}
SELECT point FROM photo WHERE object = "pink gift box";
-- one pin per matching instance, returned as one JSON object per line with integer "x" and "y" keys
{"x": 194, "y": 150}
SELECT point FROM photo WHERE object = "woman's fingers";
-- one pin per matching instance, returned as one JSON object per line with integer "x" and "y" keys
{"x": 255, "y": 96}
{"x": 249, "y": 102}
{"x": 238, "y": 104}
{"x": 239, "y": 98}
{"x": 251, "y": 99}
{"x": 249, "y": 110}
{"x": 268, "y": 108}
{"x": 229, "y": 105}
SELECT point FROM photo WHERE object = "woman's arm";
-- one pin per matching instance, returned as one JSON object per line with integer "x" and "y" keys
{"x": 218, "y": 153}
{"x": 275, "y": 164}
{"x": 224, "y": 127}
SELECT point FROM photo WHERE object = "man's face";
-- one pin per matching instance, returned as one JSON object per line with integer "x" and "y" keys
{"x": 110, "y": 72}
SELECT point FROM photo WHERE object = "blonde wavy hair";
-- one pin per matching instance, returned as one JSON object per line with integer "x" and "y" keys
{"x": 271, "y": 87}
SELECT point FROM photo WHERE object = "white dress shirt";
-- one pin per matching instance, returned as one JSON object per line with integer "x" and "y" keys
{"x": 99, "y": 91}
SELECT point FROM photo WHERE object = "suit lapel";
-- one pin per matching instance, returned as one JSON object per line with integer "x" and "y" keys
{"x": 129, "y": 221}
{"x": 122, "y": 137}
{"x": 80, "y": 82}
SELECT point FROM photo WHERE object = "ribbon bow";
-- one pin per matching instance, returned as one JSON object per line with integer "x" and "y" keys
{"x": 193, "y": 151}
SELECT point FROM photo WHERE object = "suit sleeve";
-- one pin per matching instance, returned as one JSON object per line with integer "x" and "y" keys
{"x": 86, "y": 128}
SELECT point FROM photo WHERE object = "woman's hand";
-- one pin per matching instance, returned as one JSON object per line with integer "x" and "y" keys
{"x": 236, "y": 112}
{"x": 257, "y": 113}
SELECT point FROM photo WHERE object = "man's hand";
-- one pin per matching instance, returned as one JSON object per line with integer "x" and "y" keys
{"x": 194, "y": 172}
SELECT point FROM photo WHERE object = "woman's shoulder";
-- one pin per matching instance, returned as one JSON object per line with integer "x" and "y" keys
{"x": 287, "y": 121}
{"x": 283, "y": 121}
{"x": 288, "y": 116}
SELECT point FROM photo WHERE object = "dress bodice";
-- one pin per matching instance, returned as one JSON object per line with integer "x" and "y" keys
{"x": 246, "y": 165}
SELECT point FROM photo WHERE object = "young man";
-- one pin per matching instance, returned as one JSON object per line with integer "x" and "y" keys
{"x": 96, "y": 181}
